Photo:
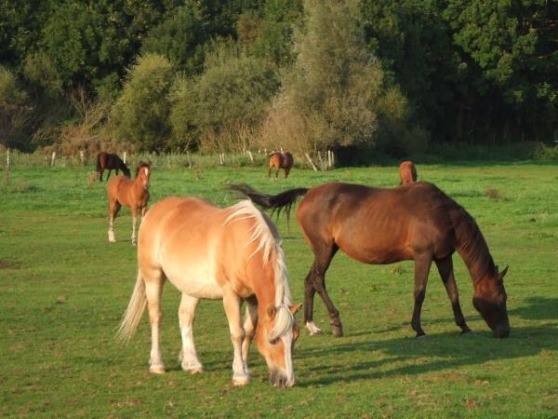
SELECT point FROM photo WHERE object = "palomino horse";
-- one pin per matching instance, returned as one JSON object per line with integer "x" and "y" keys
{"x": 130, "y": 193}
{"x": 416, "y": 222}
{"x": 407, "y": 172}
{"x": 206, "y": 252}
{"x": 110, "y": 162}
{"x": 280, "y": 160}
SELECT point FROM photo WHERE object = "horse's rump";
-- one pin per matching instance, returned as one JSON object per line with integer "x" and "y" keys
{"x": 407, "y": 172}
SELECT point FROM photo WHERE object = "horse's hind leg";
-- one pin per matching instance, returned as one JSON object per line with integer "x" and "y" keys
{"x": 445, "y": 268}
{"x": 315, "y": 282}
{"x": 186, "y": 314}
{"x": 153, "y": 289}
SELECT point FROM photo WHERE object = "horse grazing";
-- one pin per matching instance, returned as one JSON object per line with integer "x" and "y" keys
{"x": 130, "y": 193}
{"x": 111, "y": 162}
{"x": 407, "y": 172}
{"x": 206, "y": 252}
{"x": 280, "y": 160}
{"x": 416, "y": 222}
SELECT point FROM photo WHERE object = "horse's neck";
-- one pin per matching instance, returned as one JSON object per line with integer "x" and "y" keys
{"x": 472, "y": 247}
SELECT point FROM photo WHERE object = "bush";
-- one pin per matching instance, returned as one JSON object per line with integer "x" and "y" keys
{"x": 140, "y": 114}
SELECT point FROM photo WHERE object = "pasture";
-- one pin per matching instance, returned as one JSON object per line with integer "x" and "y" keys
{"x": 64, "y": 288}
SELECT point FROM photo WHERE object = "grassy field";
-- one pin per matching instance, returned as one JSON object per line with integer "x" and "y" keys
{"x": 63, "y": 289}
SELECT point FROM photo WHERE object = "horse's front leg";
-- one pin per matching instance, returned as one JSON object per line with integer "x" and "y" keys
{"x": 232, "y": 304}
{"x": 445, "y": 268}
{"x": 186, "y": 315}
{"x": 422, "y": 269}
{"x": 250, "y": 323}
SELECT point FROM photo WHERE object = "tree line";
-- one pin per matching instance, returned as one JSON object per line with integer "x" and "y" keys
{"x": 307, "y": 75}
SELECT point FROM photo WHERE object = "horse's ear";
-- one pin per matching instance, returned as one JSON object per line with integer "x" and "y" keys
{"x": 271, "y": 310}
{"x": 502, "y": 274}
{"x": 295, "y": 308}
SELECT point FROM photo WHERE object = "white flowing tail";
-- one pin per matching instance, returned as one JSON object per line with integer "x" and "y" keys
{"x": 134, "y": 311}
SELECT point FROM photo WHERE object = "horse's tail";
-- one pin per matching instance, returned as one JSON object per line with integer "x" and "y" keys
{"x": 134, "y": 311}
{"x": 126, "y": 170}
{"x": 284, "y": 200}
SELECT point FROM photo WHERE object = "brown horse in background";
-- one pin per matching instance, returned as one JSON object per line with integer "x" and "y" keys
{"x": 280, "y": 160}
{"x": 131, "y": 193}
{"x": 111, "y": 162}
{"x": 407, "y": 172}
{"x": 232, "y": 254}
{"x": 416, "y": 222}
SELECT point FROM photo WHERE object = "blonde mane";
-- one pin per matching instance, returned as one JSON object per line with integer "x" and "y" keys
{"x": 269, "y": 243}
{"x": 265, "y": 233}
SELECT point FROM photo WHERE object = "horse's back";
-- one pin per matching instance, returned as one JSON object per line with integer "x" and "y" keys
{"x": 190, "y": 240}
{"x": 377, "y": 225}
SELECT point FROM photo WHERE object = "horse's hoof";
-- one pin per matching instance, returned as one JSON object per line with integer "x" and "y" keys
{"x": 337, "y": 330}
{"x": 194, "y": 370}
{"x": 313, "y": 329}
{"x": 420, "y": 337}
{"x": 466, "y": 332}
{"x": 240, "y": 381}
{"x": 157, "y": 369}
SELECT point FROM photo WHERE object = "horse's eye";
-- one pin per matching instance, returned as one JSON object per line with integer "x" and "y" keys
{"x": 274, "y": 341}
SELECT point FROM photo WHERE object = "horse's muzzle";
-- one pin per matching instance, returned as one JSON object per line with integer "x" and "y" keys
{"x": 279, "y": 379}
{"x": 501, "y": 331}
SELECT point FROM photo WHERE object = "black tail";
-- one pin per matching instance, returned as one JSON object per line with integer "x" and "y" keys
{"x": 284, "y": 200}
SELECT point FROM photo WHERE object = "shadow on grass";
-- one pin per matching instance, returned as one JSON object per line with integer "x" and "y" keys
{"x": 537, "y": 308}
{"x": 443, "y": 352}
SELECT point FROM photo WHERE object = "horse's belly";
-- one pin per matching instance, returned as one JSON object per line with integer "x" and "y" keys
{"x": 375, "y": 255}
{"x": 196, "y": 281}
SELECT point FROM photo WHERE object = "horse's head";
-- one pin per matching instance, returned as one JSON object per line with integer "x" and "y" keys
{"x": 143, "y": 173}
{"x": 275, "y": 337}
{"x": 490, "y": 301}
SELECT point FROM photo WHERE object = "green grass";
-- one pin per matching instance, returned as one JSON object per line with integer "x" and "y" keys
{"x": 64, "y": 288}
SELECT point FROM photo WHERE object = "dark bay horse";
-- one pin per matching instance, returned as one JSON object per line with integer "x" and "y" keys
{"x": 231, "y": 254}
{"x": 416, "y": 221}
{"x": 111, "y": 162}
{"x": 407, "y": 172}
{"x": 131, "y": 193}
{"x": 280, "y": 160}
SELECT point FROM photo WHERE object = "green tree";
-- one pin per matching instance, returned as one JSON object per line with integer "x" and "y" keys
{"x": 509, "y": 59}
{"x": 221, "y": 109}
{"x": 140, "y": 114}
{"x": 15, "y": 112}
{"x": 180, "y": 37}
{"x": 333, "y": 95}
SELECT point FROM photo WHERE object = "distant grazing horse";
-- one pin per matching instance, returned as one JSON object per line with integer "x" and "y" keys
{"x": 110, "y": 162}
{"x": 206, "y": 252}
{"x": 280, "y": 160}
{"x": 130, "y": 193}
{"x": 416, "y": 222}
{"x": 407, "y": 172}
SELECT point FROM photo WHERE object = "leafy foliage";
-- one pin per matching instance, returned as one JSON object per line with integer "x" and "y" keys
{"x": 367, "y": 74}
{"x": 140, "y": 114}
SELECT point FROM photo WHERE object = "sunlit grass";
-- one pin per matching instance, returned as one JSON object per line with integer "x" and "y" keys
{"x": 64, "y": 288}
